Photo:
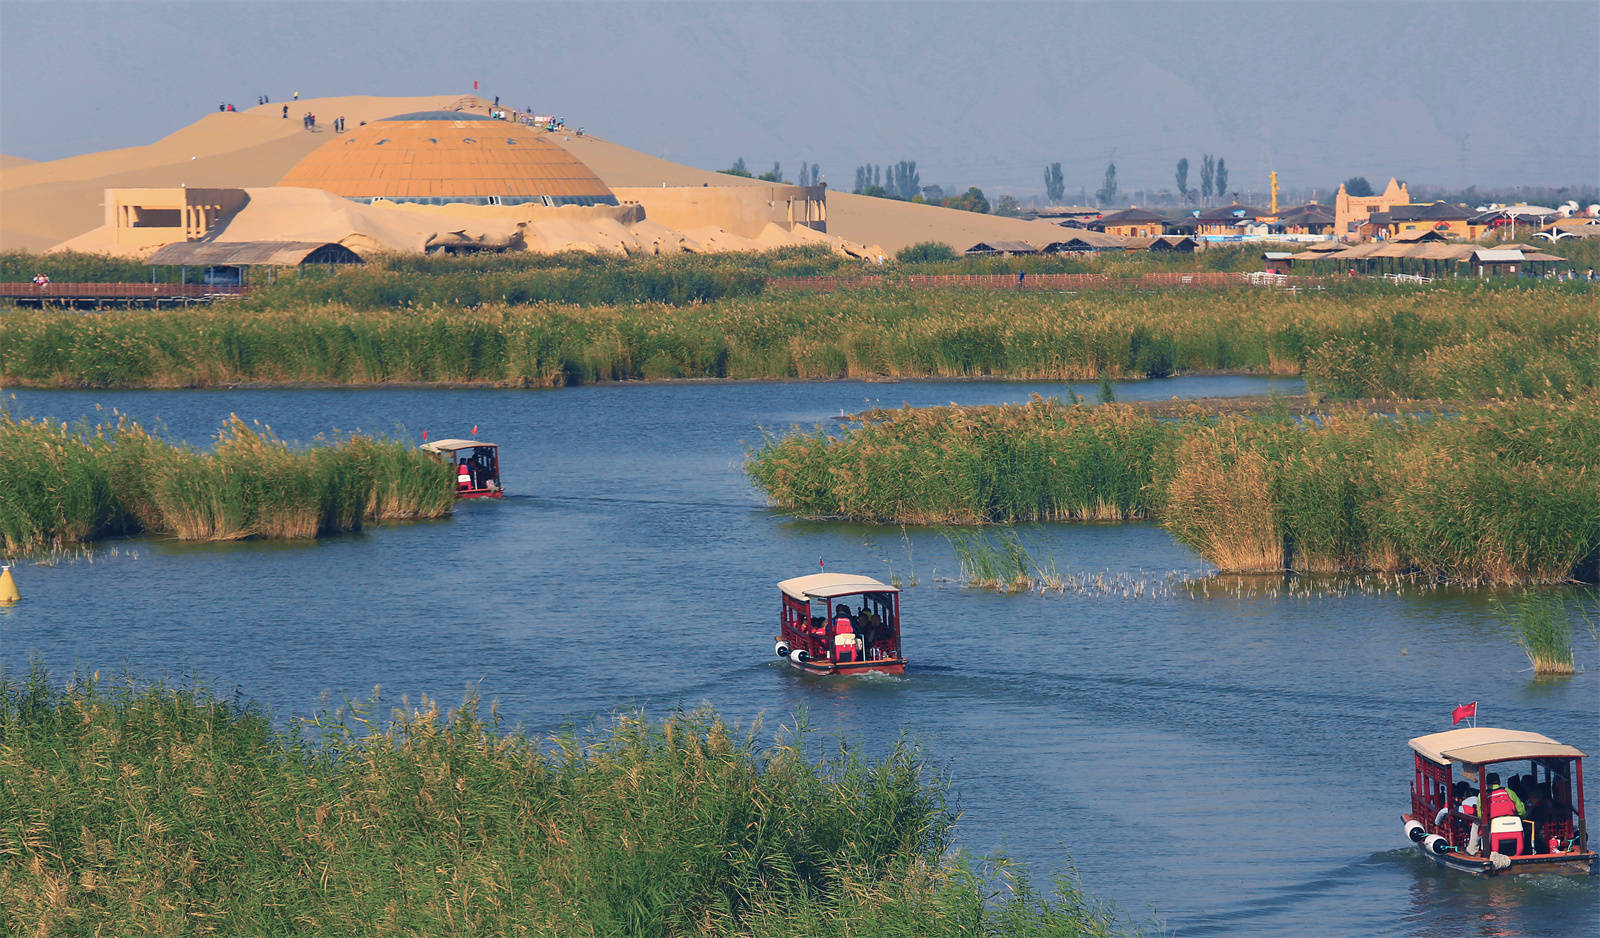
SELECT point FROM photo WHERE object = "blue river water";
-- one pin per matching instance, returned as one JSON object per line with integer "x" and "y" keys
{"x": 1220, "y": 759}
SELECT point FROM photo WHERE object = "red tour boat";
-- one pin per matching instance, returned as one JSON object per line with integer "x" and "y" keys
{"x": 840, "y": 623}
{"x": 1530, "y": 788}
{"x": 477, "y": 466}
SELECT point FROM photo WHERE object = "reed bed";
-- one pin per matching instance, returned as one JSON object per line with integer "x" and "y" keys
{"x": 1543, "y": 628}
{"x": 1455, "y": 342}
{"x": 69, "y": 484}
{"x": 167, "y": 810}
{"x": 1040, "y": 461}
{"x": 1495, "y": 493}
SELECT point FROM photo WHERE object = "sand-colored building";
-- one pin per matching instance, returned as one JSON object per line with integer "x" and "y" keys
{"x": 1132, "y": 223}
{"x": 150, "y": 217}
{"x": 1228, "y": 221}
{"x": 1404, "y": 222}
{"x": 1350, "y": 212}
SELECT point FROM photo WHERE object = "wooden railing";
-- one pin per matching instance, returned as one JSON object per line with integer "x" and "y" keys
{"x": 66, "y": 292}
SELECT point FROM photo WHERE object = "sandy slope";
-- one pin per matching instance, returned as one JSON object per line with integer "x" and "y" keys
{"x": 7, "y": 161}
{"x": 44, "y": 204}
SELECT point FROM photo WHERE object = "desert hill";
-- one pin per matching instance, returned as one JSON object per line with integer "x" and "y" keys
{"x": 43, "y": 204}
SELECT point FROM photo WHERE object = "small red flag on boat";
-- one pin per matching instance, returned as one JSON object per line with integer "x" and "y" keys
{"x": 820, "y": 565}
{"x": 424, "y": 436}
{"x": 1463, "y": 712}
{"x": 474, "y": 429}
{"x": 474, "y": 86}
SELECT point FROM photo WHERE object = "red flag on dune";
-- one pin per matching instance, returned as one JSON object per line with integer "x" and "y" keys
{"x": 1463, "y": 712}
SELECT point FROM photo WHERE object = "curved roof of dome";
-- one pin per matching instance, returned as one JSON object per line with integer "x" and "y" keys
{"x": 450, "y": 159}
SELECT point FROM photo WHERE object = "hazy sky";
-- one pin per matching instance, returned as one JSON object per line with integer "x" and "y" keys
{"x": 1457, "y": 93}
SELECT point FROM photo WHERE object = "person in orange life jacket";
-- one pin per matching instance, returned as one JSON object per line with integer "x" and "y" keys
{"x": 844, "y": 634}
{"x": 1503, "y": 802}
{"x": 464, "y": 476}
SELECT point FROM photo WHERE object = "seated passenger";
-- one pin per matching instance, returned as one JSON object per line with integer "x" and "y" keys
{"x": 1503, "y": 802}
{"x": 870, "y": 631}
{"x": 1460, "y": 794}
{"x": 844, "y": 635}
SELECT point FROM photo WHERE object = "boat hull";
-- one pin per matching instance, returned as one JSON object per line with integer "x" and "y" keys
{"x": 878, "y": 666}
{"x": 481, "y": 493}
{"x": 1567, "y": 864}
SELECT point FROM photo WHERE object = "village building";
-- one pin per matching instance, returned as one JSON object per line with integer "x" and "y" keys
{"x": 1303, "y": 221}
{"x": 1229, "y": 222}
{"x": 1350, "y": 212}
{"x": 1131, "y": 223}
{"x": 1451, "y": 221}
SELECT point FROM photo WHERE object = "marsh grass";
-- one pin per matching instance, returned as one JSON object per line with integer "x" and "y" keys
{"x": 1495, "y": 493}
{"x": 167, "y": 810}
{"x": 68, "y": 484}
{"x": 1543, "y": 628}
{"x": 1453, "y": 343}
{"x": 1001, "y": 563}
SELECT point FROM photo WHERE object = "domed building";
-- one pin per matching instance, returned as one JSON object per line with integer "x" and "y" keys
{"x": 448, "y": 158}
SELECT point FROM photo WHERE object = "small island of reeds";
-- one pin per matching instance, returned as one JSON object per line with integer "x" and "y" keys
{"x": 1501, "y": 492}
{"x": 159, "y": 810}
{"x": 66, "y": 484}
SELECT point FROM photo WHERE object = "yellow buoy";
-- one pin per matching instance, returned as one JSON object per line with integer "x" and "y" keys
{"x": 8, "y": 586}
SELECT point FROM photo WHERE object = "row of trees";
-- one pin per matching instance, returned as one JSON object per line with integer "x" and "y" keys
{"x": 899, "y": 181}
{"x": 1213, "y": 177}
{"x": 1213, "y": 181}
{"x": 810, "y": 173}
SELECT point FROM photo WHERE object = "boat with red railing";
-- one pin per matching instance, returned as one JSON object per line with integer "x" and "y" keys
{"x": 820, "y": 632}
{"x": 476, "y": 464}
{"x": 1528, "y": 786}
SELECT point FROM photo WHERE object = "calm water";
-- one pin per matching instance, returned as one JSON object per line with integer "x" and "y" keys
{"x": 1228, "y": 764}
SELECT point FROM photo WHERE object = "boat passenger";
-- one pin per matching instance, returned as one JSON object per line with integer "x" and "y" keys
{"x": 844, "y": 634}
{"x": 1466, "y": 800}
{"x": 464, "y": 476}
{"x": 872, "y": 632}
{"x": 1503, "y": 802}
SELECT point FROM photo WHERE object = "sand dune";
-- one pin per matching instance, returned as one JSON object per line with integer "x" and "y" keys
{"x": 7, "y": 161}
{"x": 43, "y": 204}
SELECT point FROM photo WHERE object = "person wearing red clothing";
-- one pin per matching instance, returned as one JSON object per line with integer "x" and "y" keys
{"x": 844, "y": 635}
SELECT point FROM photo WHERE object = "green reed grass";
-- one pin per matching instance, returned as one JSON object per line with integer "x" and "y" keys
{"x": 1003, "y": 564}
{"x": 1543, "y": 629}
{"x": 1040, "y": 461}
{"x": 1502, "y": 492}
{"x": 1456, "y": 342}
{"x": 168, "y": 810}
{"x": 67, "y": 484}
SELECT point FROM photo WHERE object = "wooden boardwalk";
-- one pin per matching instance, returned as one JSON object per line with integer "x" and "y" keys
{"x": 101, "y": 295}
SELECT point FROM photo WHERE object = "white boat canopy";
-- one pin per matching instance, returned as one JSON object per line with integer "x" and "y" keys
{"x": 829, "y": 585}
{"x": 450, "y": 446}
{"x": 1479, "y": 744}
